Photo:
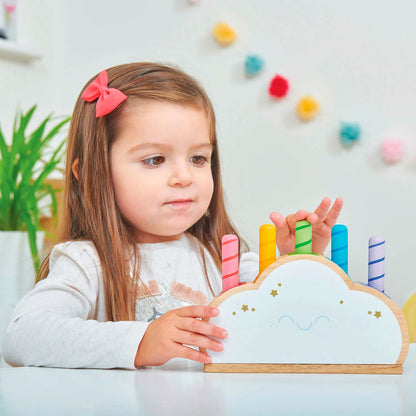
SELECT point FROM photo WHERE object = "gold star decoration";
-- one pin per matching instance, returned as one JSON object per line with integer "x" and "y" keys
{"x": 273, "y": 293}
{"x": 377, "y": 314}
{"x": 244, "y": 308}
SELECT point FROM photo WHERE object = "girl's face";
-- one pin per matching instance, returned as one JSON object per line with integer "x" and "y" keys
{"x": 161, "y": 168}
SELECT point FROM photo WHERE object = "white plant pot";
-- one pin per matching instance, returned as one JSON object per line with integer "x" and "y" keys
{"x": 17, "y": 273}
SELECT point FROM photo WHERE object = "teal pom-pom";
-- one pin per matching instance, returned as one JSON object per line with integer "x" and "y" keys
{"x": 350, "y": 133}
{"x": 253, "y": 65}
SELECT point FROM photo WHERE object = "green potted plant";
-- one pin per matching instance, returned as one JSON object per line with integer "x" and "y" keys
{"x": 26, "y": 161}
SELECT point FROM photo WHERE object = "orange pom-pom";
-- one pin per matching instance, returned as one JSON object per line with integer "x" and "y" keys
{"x": 307, "y": 108}
{"x": 224, "y": 34}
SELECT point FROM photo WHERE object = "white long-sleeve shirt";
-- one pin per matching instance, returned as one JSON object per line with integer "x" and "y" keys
{"x": 62, "y": 321}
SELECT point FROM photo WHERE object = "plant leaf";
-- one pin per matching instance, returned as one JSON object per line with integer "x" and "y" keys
{"x": 25, "y": 164}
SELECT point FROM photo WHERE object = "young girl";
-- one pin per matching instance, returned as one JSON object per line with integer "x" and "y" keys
{"x": 139, "y": 257}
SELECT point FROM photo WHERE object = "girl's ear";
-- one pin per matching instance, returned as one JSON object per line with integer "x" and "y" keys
{"x": 75, "y": 168}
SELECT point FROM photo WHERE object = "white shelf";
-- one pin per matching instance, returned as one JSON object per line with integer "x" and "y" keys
{"x": 12, "y": 51}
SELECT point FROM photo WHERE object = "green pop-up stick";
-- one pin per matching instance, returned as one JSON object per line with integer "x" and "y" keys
{"x": 303, "y": 237}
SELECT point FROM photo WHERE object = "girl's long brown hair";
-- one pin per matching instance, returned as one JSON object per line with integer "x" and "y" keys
{"x": 90, "y": 211}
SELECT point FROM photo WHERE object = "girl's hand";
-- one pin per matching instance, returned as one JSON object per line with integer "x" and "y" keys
{"x": 322, "y": 221}
{"x": 165, "y": 336}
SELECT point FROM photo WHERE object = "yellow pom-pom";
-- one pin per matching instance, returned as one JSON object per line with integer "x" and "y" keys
{"x": 224, "y": 34}
{"x": 307, "y": 108}
{"x": 409, "y": 310}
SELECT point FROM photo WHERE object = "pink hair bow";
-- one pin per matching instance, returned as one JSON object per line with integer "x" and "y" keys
{"x": 108, "y": 98}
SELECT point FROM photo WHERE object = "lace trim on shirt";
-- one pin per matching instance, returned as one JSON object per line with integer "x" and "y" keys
{"x": 151, "y": 288}
{"x": 180, "y": 291}
{"x": 177, "y": 290}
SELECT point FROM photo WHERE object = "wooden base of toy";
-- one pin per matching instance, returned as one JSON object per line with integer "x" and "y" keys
{"x": 306, "y": 368}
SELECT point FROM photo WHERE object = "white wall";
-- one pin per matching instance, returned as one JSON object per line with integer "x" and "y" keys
{"x": 357, "y": 58}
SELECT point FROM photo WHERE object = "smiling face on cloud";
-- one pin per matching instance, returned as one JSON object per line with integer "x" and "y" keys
{"x": 305, "y": 310}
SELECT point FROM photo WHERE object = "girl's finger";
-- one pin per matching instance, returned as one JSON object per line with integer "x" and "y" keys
{"x": 301, "y": 215}
{"x": 312, "y": 217}
{"x": 189, "y": 353}
{"x": 197, "y": 340}
{"x": 323, "y": 208}
{"x": 198, "y": 311}
{"x": 333, "y": 214}
{"x": 282, "y": 228}
{"x": 201, "y": 327}
{"x": 279, "y": 221}
{"x": 292, "y": 218}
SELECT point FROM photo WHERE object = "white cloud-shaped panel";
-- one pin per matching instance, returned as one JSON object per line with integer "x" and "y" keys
{"x": 304, "y": 312}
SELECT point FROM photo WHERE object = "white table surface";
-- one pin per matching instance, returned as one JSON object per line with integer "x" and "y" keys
{"x": 182, "y": 388}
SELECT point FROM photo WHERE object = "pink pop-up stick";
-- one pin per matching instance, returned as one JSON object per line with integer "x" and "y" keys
{"x": 230, "y": 277}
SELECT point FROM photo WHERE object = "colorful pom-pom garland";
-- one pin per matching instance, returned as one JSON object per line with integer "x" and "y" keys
{"x": 253, "y": 65}
{"x": 224, "y": 34}
{"x": 307, "y": 108}
{"x": 278, "y": 87}
{"x": 349, "y": 133}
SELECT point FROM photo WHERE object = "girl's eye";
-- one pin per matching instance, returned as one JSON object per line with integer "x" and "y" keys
{"x": 199, "y": 160}
{"x": 154, "y": 161}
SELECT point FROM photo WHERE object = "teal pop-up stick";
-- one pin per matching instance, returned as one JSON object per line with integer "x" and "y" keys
{"x": 339, "y": 246}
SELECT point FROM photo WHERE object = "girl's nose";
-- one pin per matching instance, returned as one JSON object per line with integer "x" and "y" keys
{"x": 180, "y": 175}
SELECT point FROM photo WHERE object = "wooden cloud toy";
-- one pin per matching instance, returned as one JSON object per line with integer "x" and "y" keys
{"x": 303, "y": 314}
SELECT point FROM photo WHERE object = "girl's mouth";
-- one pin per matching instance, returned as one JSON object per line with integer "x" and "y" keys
{"x": 179, "y": 203}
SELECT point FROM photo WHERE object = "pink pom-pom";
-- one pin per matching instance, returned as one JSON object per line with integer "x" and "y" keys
{"x": 10, "y": 8}
{"x": 392, "y": 150}
{"x": 278, "y": 87}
